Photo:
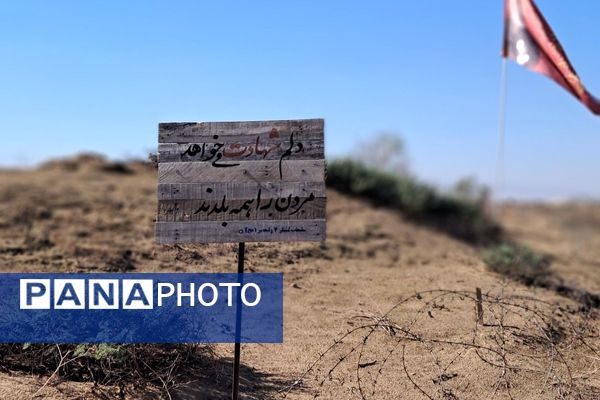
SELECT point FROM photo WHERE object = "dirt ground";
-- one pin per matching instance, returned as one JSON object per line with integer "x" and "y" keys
{"x": 90, "y": 215}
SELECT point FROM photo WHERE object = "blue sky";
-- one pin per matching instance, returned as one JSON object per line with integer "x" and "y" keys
{"x": 100, "y": 75}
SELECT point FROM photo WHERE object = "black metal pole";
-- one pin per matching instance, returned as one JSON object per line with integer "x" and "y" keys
{"x": 235, "y": 391}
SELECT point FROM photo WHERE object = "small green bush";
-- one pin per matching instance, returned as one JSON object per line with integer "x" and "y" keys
{"x": 101, "y": 351}
{"x": 420, "y": 202}
{"x": 518, "y": 262}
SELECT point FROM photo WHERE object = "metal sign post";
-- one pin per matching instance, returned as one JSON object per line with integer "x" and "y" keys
{"x": 235, "y": 389}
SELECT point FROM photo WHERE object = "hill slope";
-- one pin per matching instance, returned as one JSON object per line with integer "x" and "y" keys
{"x": 88, "y": 215}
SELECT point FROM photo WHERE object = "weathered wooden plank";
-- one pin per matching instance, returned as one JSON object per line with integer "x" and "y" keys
{"x": 263, "y": 138}
{"x": 250, "y": 209}
{"x": 245, "y": 171}
{"x": 186, "y": 132}
{"x": 238, "y": 191}
{"x": 242, "y": 150}
{"x": 240, "y": 231}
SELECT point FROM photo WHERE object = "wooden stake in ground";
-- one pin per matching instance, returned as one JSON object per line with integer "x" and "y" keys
{"x": 479, "y": 307}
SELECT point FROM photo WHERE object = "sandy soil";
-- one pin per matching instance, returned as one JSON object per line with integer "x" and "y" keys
{"x": 88, "y": 215}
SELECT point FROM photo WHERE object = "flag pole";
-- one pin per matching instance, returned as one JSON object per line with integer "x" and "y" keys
{"x": 499, "y": 183}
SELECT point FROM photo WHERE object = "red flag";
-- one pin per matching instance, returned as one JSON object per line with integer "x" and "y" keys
{"x": 529, "y": 40}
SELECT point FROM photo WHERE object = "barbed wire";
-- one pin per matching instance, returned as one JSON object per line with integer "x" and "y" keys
{"x": 518, "y": 339}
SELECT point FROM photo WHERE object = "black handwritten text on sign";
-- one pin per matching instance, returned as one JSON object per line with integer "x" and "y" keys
{"x": 259, "y": 181}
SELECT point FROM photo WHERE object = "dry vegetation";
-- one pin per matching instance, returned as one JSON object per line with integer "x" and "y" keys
{"x": 385, "y": 309}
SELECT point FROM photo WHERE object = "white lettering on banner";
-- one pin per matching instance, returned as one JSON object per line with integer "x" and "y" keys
{"x": 132, "y": 294}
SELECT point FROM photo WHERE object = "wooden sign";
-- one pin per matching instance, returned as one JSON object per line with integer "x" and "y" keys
{"x": 259, "y": 181}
